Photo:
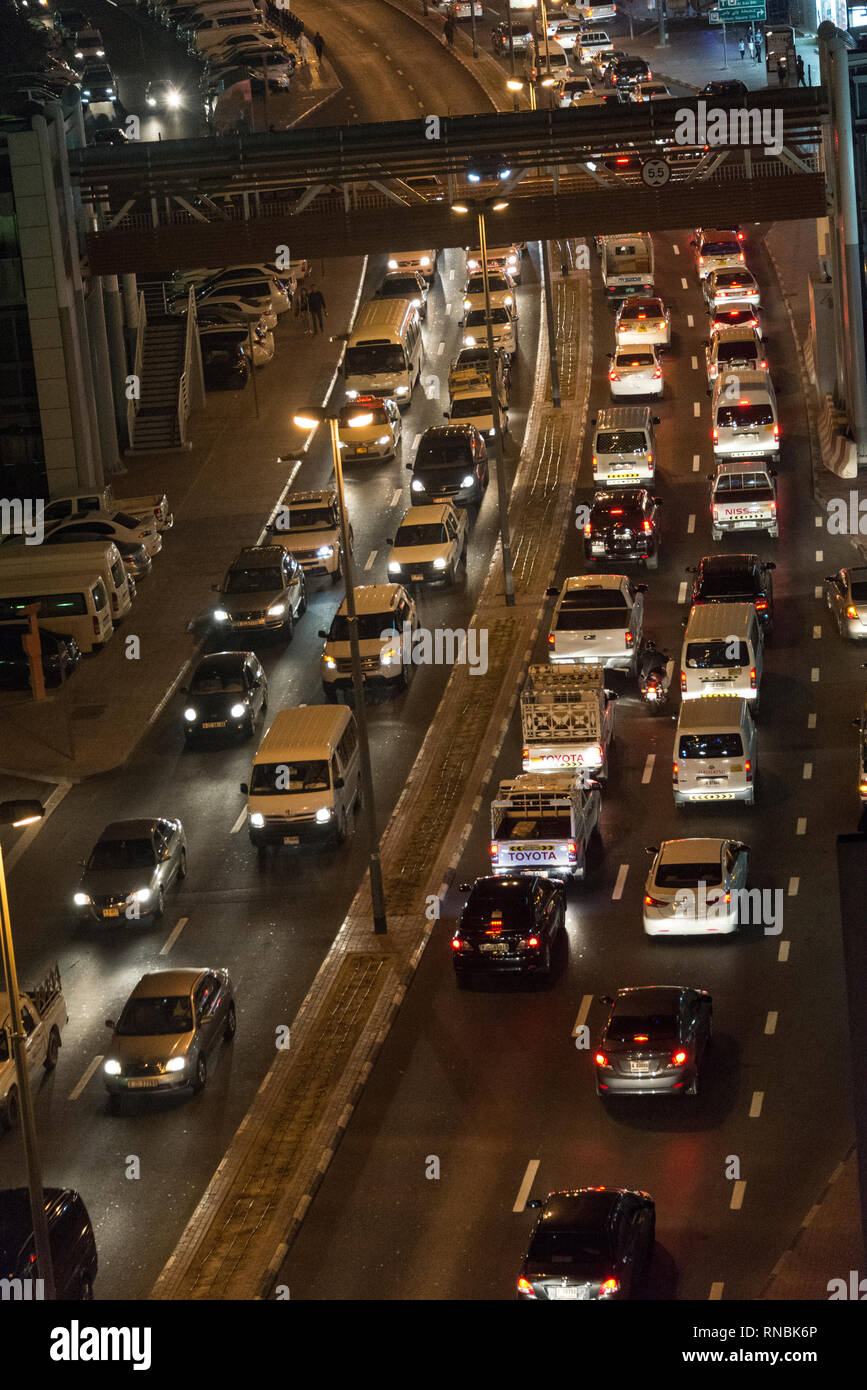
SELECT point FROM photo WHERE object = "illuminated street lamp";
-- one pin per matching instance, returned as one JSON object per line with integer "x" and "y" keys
{"x": 514, "y": 85}
{"x": 481, "y": 206}
{"x": 310, "y": 418}
{"x": 19, "y": 813}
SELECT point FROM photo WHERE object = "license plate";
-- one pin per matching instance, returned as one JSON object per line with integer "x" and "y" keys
{"x": 712, "y": 781}
{"x": 111, "y": 912}
{"x": 416, "y": 576}
{"x": 598, "y": 547}
{"x": 291, "y": 839}
{"x": 494, "y": 948}
{"x": 639, "y": 1067}
{"x": 249, "y": 622}
{"x": 215, "y": 724}
{"x": 749, "y": 438}
{"x": 144, "y": 1082}
{"x": 559, "y": 1292}
{"x": 441, "y": 499}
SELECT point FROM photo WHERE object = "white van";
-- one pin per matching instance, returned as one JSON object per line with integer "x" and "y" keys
{"x": 591, "y": 42}
{"x": 306, "y": 777}
{"x": 73, "y": 605}
{"x": 384, "y": 352}
{"x": 744, "y": 412}
{"x": 102, "y": 556}
{"x": 714, "y": 753}
{"x": 541, "y": 62}
{"x": 624, "y": 446}
{"x": 722, "y": 652}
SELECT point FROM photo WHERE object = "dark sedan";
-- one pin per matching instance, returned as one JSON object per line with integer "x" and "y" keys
{"x": 590, "y": 1244}
{"x": 451, "y": 465}
{"x": 736, "y": 579}
{"x": 623, "y": 526}
{"x": 509, "y": 926}
{"x": 653, "y": 1041}
{"x": 228, "y": 694}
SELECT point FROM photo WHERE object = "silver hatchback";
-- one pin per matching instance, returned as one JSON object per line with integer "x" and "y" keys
{"x": 132, "y": 865}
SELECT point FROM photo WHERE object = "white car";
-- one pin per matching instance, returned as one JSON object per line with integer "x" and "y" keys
{"x": 387, "y": 620}
{"x": 380, "y": 439}
{"x": 575, "y": 90}
{"x": 425, "y": 262}
{"x": 724, "y": 287}
{"x": 636, "y": 371}
{"x": 308, "y": 524}
{"x": 500, "y": 288}
{"x": 242, "y": 306}
{"x": 694, "y": 887}
{"x": 732, "y": 350}
{"x": 744, "y": 414}
{"x": 642, "y": 321}
{"x": 251, "y": 283}
{"x": 213, "y": 334}
{"x": 431, "y": 544}
{"x": 502, "y": 329}
{"x": 737, "y": 315}
{"x": 117, "y": 526}
{"x": 566, "y": 32}
{"x": 649, "y": 91}
{"x": 598, "y": 620}
{"x": 507, "y": 258}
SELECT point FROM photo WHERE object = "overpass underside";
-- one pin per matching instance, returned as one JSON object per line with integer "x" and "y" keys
{"x": 347, "y": 190}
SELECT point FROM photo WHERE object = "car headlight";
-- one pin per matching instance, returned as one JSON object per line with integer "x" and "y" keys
{"x": 508, "y": 301}
{"x": 389, "y": 656}
{"x": 383, "y": 439}
{"x": 221, "y": 615}
{"x": 392, "y": 264}
{"x": 325, "y": 552}
{"x": 330, "y": 663}
{"x": 393, "y": 567}
{"x": 468, "y": 480}
{"x": 491, "y": 432}
{"x": 176, "y": 1063}
{"x": 352, "y": 395}
{"x": 109, "y": 91}
{"x": 402, "y": 391}
{"x": 173, "y": 101}
{"x": 79, "y": 53}
{"x": 472, "y": 265}
{"x": 238, "y": 711}
{"x": 417, "y": 485}
{"x": 467, "y": 304}
{"x": 86, "y": 92}
{"x": 416, "y": 303}
{"x": 111, "y": 1066}
{"x": 152, "y": 101}
{"x": 323, "y": 814}
{"x": 190, "y": 715}
{"x": 141, "y": 895}
{"x": 276, "y": 610}
{"x": 425, "y": 260}
{"x": 81, "y": 899}
{"x": 438, "y": 564}
{"x": 257, "y": 820}
{"x": 469, "y": 341}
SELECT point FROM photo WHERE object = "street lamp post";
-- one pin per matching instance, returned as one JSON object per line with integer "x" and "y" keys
{"x": 481, "y": 207}
{"x": 310, "y": 419}
{"x": 24, "y": 813}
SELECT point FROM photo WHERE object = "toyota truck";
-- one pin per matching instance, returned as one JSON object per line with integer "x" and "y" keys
{"x": 627, "y": 264}
{"x": 543, "y": 824}
{"x": 743, "y": 497}
{"x": 43, "y": 1016}
{"x": 567, "y": 720}
{"x": 77, "y": 505}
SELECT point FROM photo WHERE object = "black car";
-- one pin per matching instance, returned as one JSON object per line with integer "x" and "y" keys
{"x": 406, "y": 284}
{"x": 110, "y": 136}
{"x": 451, "y": 465}
{"x": 508, "y": 926}
{"x": 228, "y": 694}
{"x": 70, "y": 1237}
{"x": 623, "y": 525}
{"x": 225, "y": 368}
{"x": 730, "y": 88}
{"x": 736, "y": 579}
{"x": 522, "y": 38}
{"x": 653, "y": 1041}
{"x": 590, "y": 1243}
{"x": 623, "y": 73}
{"x": 98, "y": 85}
{"x": 60, "y": 656}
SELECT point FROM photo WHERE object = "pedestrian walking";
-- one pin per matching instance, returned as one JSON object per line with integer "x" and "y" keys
{"x": 449, "y": 31}
{"x": 302, "y": 309}
{"x": 317, "y": 307}
{"x": 752, "y": 47}
{"x": 319, "y": 45}
{"x": 742, "y": 48}
{"x": 799, "y": 68}
{"x": 782, "y": 72}
{"x": 759, "y": 46}
{"x": 303, "y": 44}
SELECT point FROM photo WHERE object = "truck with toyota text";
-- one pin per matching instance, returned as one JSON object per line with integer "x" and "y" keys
{"x": 567, "y": 720}
{"x": 543, "y": 823}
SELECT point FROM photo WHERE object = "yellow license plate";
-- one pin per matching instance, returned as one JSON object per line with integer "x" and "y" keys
{"x": 111, "y": 912}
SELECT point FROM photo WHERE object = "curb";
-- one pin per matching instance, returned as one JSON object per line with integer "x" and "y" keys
{"x": 806, "y": 386}
{"x": 808, "y": 1220}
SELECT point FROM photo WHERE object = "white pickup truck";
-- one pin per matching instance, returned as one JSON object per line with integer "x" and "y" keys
{"x": 44, "y": 1016}
{"x": 543, "y": 824}
{"x": 78, "y": 504}
{"x": 627, "y": 264}
{"x": 567, "y": 719}
{"x": 472, "y": 401}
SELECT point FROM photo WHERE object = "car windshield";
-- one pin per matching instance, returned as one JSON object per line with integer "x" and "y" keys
{"x": 401, "y": 287}
{"x": 431, "y": 533}
{"x": 123, "y": 854}
{"x": 253, "y": 581}
{"x": 634, "y": 359}
{"x": 213, "y": 680}
{"x": 496, "y": 284}
{"x": 670, "y": 875}
{"x": 476, "y": 317}
{"x": 367, "y": 359}
{"x": 742, "y": 483}
{"x": 621, "y": 442}
{"x": 858, "y": 588}
{"x": 584, "y": 1251}
{"x": 276, "y": 779}
{"x": 707, "y": 656}
{"x": 444, "y": 453}
{"x": 744, "y": 416}
{"x": 736, "y": 352}
{"x": 720, "y": 248}
{"x": 468, "y": 407}
{"x": 710, "y": 746}
{"x": 652, "y": 1027}
{"x": 581, "y": 619}
{"x": 732, "y": 586}
{"x": 131, "y": 523}
{"x": 370, "y": 627}
{"x": 146, "y": 1018}
{"x": 347, "y": 412}
{"x": 619, "y": 516}
{"x": 729, "y": 318}
{"x": 309, "y": 519}
{"x": 506, "y": 902}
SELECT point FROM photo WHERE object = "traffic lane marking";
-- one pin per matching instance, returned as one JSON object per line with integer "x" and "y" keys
{"x": 74, "y": 1094}
{"x": 173, "y": 935}
{"x": 527, "y": 1182}
{"x": 617, "y": 891}
{"x": 370, "y": 559}
{"x": 648, "y": 769}
{"x": 756, "y": 1104}
{"x": 584, "y": 1010}
{"x": 239, "y": 822}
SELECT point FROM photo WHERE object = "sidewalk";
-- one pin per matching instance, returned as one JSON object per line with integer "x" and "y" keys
{"x": 827, "y": 1245}
{"x": 222, "y": 492}
{"x": 311, "y": 87}
{"x": 694, "y": 55}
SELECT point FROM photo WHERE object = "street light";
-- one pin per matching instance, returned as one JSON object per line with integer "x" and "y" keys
{"x": 481, "y": 207}
{"x": 514, "y": 85}
{"x": 310, "y": 418}
{"x": 18, "y": 813}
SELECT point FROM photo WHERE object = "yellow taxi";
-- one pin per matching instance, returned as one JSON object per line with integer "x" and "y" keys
{"x": 379, "y": 439}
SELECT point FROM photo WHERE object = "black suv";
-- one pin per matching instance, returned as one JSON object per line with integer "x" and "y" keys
{"x": 509, "y": 926}
{"x": 589, "y": 1243}
{"x": 70, "y": 1237}
{"x": 736, "y": 579}
{"x": 623, "y": 526}
{"x": 451, "y": 465}
{"x": 623, "y": 73}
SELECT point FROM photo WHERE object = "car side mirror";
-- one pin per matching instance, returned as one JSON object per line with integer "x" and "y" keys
{"x": 710, "y": 477}
{"x": 389, "y": 540}
{"x": 705, "y": 342}
{"x": 769, "y": 565}
{"x": 641, "y": 588}
{"x": 323, "y": 633}
{"x": 533, "y": 1204}
{"x": 708, "y": 392}
{"x": 651, "y": 849}
{"x": 856, "y": 723}
{"x": 743, "y": 849}
{"x": 611, "y": 695}
{"x": 656, "y": 420}
{"x": 552, "y": 593}
{"x": 445, "y": 414}
{"x": 338, "y": 783}
{"x": 593, "y": 419}
{"x": 110, "y": 1023}
{"x": 408, "y": 467}
{"x": 691, "y": 569}
{"x": 245, "y": 789}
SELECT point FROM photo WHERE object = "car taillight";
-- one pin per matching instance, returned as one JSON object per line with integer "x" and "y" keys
{"x": 600, "y": 1059}
{"x": 753, "y": 678}
{"x": 862, "y": 788}
{"x": 661, "y": 324}
{"x": 773, "y": 509}
{"x": 715, "y": 512}
{"x": 701, "y": 260}
{"x": 525, "y": 753}
{"x": 674, "y": 767}
{"x": 609, "y": 1287}
{"x": 650, "y": 458}
{"x": 572, "y": 849}
{"x": 456, "y": 943}
{"x": 740, "y": 236}
{"x": 678, "y": 1059}
{"x": 588, "y": 529}
{"x": 658, "y": 373}
{"x": 142, "y": 535}
{"x": 533, "y": 941}
{"x": 748, "y": 769}
{"x": 761, "y": 605}
{"x": 714, "y": 434}
{"x": 613, "y": 376}
{"x": 524, "y": 1286}
{"x": 683, "y": 680}
{"x": 551, "y": 639}
{"x": 629, "y": 638}
{"x": 648, "y": 527}
{"x": 652, "y": 902}
{"x": 741, "y": 257}
{"x": 726, "y": 898}
{"x": 594, "y": 463}
{"x": 776, "y": 432}
{"x": 763, "y": 366}
{"x": 495, "y": 849}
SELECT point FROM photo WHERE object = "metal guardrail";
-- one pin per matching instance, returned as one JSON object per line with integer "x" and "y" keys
{"x": 132, "y": 406}
{"x": 184, "y": 383}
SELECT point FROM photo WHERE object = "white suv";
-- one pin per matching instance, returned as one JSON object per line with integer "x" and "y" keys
{"x": 387, "y": 620}
{"x": 308, "y": 524}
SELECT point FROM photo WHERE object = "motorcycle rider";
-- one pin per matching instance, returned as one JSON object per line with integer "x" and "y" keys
{"x": 654, "y": 667}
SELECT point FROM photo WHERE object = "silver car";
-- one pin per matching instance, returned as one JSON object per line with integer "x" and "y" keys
{"x": 846, "y": 597}
{"x": 132, "y": 865}
{"x": 653, "y": 1041}
{"x": 694, "y": 887}
{"x": 171, "y": 1022}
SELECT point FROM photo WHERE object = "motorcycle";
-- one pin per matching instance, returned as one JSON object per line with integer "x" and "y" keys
{"x": 656, "y": 671}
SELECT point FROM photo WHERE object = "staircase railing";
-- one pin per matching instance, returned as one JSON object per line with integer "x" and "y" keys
{"x": 133, "y": 403}
{"x": 184, "y": 383}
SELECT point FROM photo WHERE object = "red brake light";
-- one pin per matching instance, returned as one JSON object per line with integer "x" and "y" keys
{"x": 748, "y": 768}
{"x": 610, "y": 1286}
{"x": 594, "y": 463}
{"x": 456, "y": 943}
{"x": 640, "y": 1037}
{"x": 612, "y": 375}
{"x": 761, "y": 605}
{"x": 647, "y": 527}
{"x": 600, "y": 1059}
{"x": 495, "y": 849}
{"x": 629, "y": 638}
{"x": 524, "y": 1286}
{"x": 763, "y": 366}
{"x": 551, "y": 639}
{"x": 616, "y": 511}
{"x": 714, "y": 434}
{"x": 701, "y": 260}
{"x": 533, "y": 941}
{"x": 674, "y": 767}
{"x": 678, "y": 1059}
{"x": 740, "y": 236}
{"x": 588, "y": 529}
{"x": 572, "y": 849}
{"x": 741, "y": 257}
{"x": 657, "y": 374}
{"x": 683, "y": 680}
{"x": 776, "y": 431}
{"x": 642, "y": 316}
{"x": 753, "y": 678}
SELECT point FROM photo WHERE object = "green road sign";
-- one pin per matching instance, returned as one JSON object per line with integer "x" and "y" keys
{"x": 737, "y": 12}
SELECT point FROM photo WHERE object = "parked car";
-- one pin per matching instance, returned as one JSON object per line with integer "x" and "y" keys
{"x": 119, "y": 527}
{"x": 130, "y": 868}
{"x": 60, "y": 656}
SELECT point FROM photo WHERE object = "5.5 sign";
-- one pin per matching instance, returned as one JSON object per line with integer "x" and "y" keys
{"x": 655, "y": 172}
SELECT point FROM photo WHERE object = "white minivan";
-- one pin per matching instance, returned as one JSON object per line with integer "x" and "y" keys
{"x": 306, "y": 777}
{"x": 384, "y": 351}
{"x": 714, "y": 753}
{"x": 28, "y": 561}
{"x": 72, "y": 605}
{"x": 722, "y": 653}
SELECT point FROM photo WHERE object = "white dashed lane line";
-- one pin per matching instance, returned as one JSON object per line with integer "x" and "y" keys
{"x": 681, "y": 593}
{"x": 716, "y": 1293}
{"x": 783, "y": 953}
{"x": 396, "y": 496}
{"x": 811, "y": 721}
{"x": 370, "y": 559}
{"x": 814, "y": 675}
{"x": 820, "y": 555}
{"x": 801, "y": 827}
{"x": 808, "y": 772}
{"x": 441, "y": 349}
{"x": 794, "y": 884}
{"x": 416, "y": 442}
{"x": 771, "y": 1022}
{"x": 690, "y": 525}
{"x": 172, "y": 938}
{"x": 696, "y": 462}
{"x": 648, "y": 769}
{"x": 817, "y": 631}
{"x": 675, "y": 248}
{"x": 73, "y": 1095}
{"x": 683, "y": 283}
{"x": 690, "y": 321}
{"x": 527, "y": 1183}
{"x": 756, "y": 1104}
{"x": 738, "y": 1191}
{"x": 239, "y": 822}
{"x": 694, "y": 361}
{"x": 586, "y": 1001}
{"x": 617, "y": 890}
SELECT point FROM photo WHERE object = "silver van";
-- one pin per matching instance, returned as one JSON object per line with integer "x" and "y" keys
{"x": 714, "y": 753}
{"x": 306, "y": 777}
{"x": 722, "y": 653}
{"x": 624, "y": 446}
